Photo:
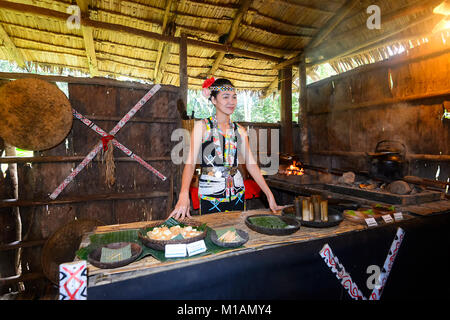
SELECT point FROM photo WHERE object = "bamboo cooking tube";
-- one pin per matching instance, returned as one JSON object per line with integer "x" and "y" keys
{"x": 305, "y": 209}
{"x": 324, "y": 210}
{"x": 316, "y": 207}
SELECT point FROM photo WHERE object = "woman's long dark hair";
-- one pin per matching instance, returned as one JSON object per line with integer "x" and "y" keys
{"x": 219, "y": 83}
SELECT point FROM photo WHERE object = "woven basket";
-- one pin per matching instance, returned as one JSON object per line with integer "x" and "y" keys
{"x": 160, "y": 244}
{"x": 62, "y": 245}
{"x": 188, "y": 124}
{"x": 95, "y": 256}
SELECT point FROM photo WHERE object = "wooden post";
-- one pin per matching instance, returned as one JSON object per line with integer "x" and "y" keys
{"x": 88, "y": 37}
{"x": 183, "y": 96}
{"x": 303, "y": 110}
{"x": 13, "y": 53}
{"x": 286, "y": 110}
{"x": 234, "y": 28}
{"x": 183, "y": 70}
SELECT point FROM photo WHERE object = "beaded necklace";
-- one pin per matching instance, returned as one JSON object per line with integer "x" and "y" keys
{"x": 229, "y": 145}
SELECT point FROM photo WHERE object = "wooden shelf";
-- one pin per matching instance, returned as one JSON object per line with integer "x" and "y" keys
{"x": 8, "y": 203}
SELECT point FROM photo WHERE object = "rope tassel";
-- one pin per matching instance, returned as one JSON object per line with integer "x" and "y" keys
{"x": 108, "y": 148}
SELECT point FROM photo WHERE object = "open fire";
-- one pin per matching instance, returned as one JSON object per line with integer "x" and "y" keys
{"x": 294, "y": 169}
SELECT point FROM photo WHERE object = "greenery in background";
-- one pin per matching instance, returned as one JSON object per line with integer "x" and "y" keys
{"x": 250, "y": 108}
{"x": 23, "y": 153}
{"x": 446, "y": 114}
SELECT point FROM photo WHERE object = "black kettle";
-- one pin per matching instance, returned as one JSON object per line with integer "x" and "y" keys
{"x": 388, "y": 162}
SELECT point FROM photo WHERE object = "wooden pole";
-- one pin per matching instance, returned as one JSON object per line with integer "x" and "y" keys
{"x": 322, "y": 34}
{"x": 162, "y": 44}
{"x": 231, "y": 34}
{"x": 332, "y": 24}
{"x": 12, "y": 51}
{"x": 183, "y": 70}
{"x": 286, "y": 110}
{"x": 88, "y": 37}
{"x": 303, "y": 110}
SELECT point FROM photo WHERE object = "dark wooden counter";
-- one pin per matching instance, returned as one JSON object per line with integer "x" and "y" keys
{"x": 289, "y": 267}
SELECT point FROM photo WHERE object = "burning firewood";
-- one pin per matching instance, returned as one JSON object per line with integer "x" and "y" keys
{"x": 293, "y": 169}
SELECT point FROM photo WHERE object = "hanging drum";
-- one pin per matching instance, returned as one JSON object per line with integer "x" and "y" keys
{"x": 34, "y": 114}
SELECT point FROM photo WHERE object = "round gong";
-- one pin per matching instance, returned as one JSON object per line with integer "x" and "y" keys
{"x": 34, "y": 114}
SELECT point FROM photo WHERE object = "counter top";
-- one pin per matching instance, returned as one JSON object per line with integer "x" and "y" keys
{"x": 257, "y": 241}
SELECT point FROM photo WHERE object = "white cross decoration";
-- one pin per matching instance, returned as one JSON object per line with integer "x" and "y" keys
{"x": 333, "y": 262}
{"x": 117, "y": 144}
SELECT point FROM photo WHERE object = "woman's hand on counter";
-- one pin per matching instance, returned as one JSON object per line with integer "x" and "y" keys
{"x": 181, "y": 210}
{"x": 273, "y": 204}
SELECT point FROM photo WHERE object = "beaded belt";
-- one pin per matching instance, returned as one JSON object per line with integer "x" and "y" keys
{"x": 223, "y": 172}
{"x": 219, "y": 172}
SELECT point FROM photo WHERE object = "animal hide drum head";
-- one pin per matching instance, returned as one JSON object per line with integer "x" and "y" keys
{"x": 34, "y": 114}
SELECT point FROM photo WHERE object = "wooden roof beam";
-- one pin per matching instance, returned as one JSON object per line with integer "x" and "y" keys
{"x": 318, "y": 38}
{"x": 88, "y": 39}
{"x": 24, "y": 8}
{"x": 332, "y": 24}
{"x": 307, "y": 7}
{"x": 165, "y": 55}
{"x": 322, "y": 34}
{"x": 13, "y": 52}
{"x": 374, "y": 40}
{"x": 245, "y": 5}
{"x": 392, "y": 16}
{"x": 162, "y": 45}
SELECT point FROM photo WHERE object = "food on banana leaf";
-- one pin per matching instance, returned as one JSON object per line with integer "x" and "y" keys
{"x": 270, "y": 222}
{"x": 166, "y": 233}
{"x": 229, "y": 236}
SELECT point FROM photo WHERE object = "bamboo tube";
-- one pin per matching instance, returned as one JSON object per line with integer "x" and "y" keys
{"x": 298, "y": 206}
{"x": 324, "y": 210}
{"x": 316, "y": 207}
{"x": 306, "y": 209}
{"x": 311, "y": 211}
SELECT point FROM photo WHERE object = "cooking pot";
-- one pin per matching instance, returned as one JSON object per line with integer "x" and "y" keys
{"x": 388, "y": 162}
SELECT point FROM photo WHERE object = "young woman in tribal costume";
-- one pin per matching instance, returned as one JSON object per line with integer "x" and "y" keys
{"x": 222, "y": 142}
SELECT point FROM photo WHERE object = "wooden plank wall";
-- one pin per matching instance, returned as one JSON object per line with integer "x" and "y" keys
{"x": 147, "y": 139}
{"x": 397, "y": 101}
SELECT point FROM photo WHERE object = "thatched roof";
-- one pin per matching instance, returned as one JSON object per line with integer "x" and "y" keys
{"x": 245, "y": 41}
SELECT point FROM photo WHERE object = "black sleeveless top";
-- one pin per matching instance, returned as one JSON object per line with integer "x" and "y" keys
{"x": 209, "y": 150}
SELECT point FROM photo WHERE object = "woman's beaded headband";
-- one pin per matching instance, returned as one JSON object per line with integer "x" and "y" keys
{"x": 221, "y": 88}
{"x": 207, "y": 87}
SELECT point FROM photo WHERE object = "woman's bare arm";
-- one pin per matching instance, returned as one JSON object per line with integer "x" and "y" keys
{"x": 182, "y": 207}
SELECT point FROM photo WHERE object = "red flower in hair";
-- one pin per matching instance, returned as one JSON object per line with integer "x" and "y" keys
{"x": 208, "y": 82}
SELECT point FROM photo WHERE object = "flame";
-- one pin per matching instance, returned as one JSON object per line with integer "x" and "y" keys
{"x": 294, "y": 170}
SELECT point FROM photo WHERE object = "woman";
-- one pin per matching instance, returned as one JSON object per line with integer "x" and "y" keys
{"x": 221, "y": 186}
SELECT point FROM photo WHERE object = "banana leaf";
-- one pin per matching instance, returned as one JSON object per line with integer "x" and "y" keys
{"x": 98, "y": 240}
